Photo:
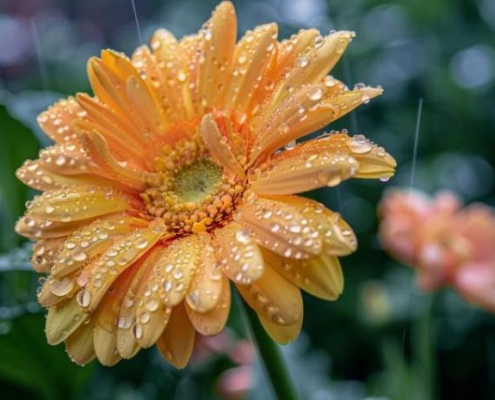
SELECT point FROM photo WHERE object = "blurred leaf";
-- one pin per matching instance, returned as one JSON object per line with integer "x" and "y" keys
{"x": 29, "y": 362}
{"x": 18, "y": 144}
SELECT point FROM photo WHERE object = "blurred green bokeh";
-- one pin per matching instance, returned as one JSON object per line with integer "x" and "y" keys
{"x": 383, "y": 339}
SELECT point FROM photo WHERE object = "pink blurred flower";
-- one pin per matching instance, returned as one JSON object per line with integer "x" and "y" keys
{"x": 445, "y": 243}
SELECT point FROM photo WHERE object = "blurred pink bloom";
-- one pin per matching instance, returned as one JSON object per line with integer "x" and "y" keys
{"x": 445, "y": 243}
{"x": 234, "y": 383}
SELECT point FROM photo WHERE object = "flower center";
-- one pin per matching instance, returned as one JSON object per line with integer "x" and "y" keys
{"x": 189, "y": 190}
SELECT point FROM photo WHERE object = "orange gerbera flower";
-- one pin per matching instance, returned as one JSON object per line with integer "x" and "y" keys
{"x": 169, "y": 183}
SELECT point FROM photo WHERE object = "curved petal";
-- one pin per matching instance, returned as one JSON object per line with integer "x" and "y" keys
{"x": 280, "y": 227}
{"x": 239, "y": 256}
{"x": 206, "y": 286}
{"x": 282, "y": 334}
{"x": 320, "y": 276}
{"x": 213, "y": 321}
{"x": 177, "y": 341}
{"x": 80, "y": 345}
{"x": 62, "y": 320}
{"x": 56, "y": 121}
{"x": 101, "y": 274}
{"x": 78, "y": 203}
{"x": 274, "y": 298}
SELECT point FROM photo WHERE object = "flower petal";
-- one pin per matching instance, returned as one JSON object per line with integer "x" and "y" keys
{"x": 177, "y": 341}
{"x": 105, "y": 344}
{"x": 280, "y": 227}
{"x": 320, "y": 276}
{"x": 56, "y": 290}
{"x": 303, "y": 172}
{"x": 127, "y": 344}
{"x": 99, "y": 152}
{"x": 239, "y": 255}
{"x": 219, "y": 147}
{"x": 282, "y": 334}
{"x": 44, "y": 251}
{"x": 206, "y": 286}
{"x": 253, "y": 56}
{"x": 80, "y": 345}
{"x": 90, "y": 241}
{"x": 218, "y": 43}
{"x": 175, "y": 268}
{"x": 172, "y": 72}
{"x": 337, "y": 237}
{"x": 213, "y": 321}
{"x": 56, "y": 121}
{"x": 78, "y": 203}
{"x": 117, "y": 258}
{"x": 274, "y": 298}
{"x": 62, "y": 320}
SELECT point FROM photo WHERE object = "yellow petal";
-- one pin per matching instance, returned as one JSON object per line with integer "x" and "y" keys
{"x": 253, "y": 55}
{"x": 320, "y": 276}
{"x": 239, "y": 255}
{"x": 57, "y": 290}
{"x": 62, "y": 320}
{"x": 78, "y": 203}
{"x": 175, "y": 268}
{"x": 218, "y": 38}
{"x": 280, "y": 227}
{"x": 282, "y": 334}
{"x": 177, "y": 341}
{"x": 56, "y": 121}
{"x": 274, "y": 298}
{"x": 97, "y": 149}
{"x": 44, "y": 251}
{"x": 213, "y": 321}
{"x": 219, "y": 147}
{"x": 90, "y": 241}
{"x": 337, "y": 236}
{"x": 35, "y": 228}
{"x": 127, "y": 344}
{"x": 172, "y": 72}
{"x": 105, "y": 344}
{"x": 80, "y": 346}
{"x": 303, "y": 172}
{"x": 116, "y": 259}
{"x": 206, "y": 286}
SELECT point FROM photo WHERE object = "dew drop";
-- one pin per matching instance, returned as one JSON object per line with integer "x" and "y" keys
{"x": 83, "y": 298}
{"x": 360, "y": 145}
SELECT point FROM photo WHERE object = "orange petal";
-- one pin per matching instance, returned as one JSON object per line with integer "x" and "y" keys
{"x": 80, "y": 346}
{"x": 171, "y": 73}
{"x": 175, "y": 268}
{"x": 280, "y": 227}
{"x": 206, "y": 286}
{"x": 62, "y": 320}
{"x": 56, "y": 121}
{"x": 116, "y": 259}
{"x": 320, "y": 276}
{"x": 282, "y": 334}
{"x": 213, "y": 321}
{"x": 105, "y": 344}
{"x": 99, "y": 152}
{"x": 312, "y": 65}
{"x": 90, "y": 241}
{"x": 106, "y": 316}
{"x": 44, "y": 251}
{"x": 177, "y": 341}
{"x": 56, "y": 290}
{"x": 78, "y": 203}
{"x": 218, "y": 38}
{"x": 303, "y": 172}
{"x": 253, "y": 55}
{"x": 239, "y": 256}
{"x": 127, "y": 344}
{"x": 219, "y": 147}
{"x": 274, "y": 298}
{"x": 337, "y": 236}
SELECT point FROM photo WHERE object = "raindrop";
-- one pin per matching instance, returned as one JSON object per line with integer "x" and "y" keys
{"x": 360, "y": 145}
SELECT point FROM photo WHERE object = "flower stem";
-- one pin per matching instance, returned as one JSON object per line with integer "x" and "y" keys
{"x": 270, "y": 354}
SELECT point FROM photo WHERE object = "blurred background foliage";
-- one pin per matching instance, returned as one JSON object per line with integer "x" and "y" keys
{"x": 382, "y": 339}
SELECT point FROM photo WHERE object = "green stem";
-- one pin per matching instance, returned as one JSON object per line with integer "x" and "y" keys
{"x": 270, "y": 354}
